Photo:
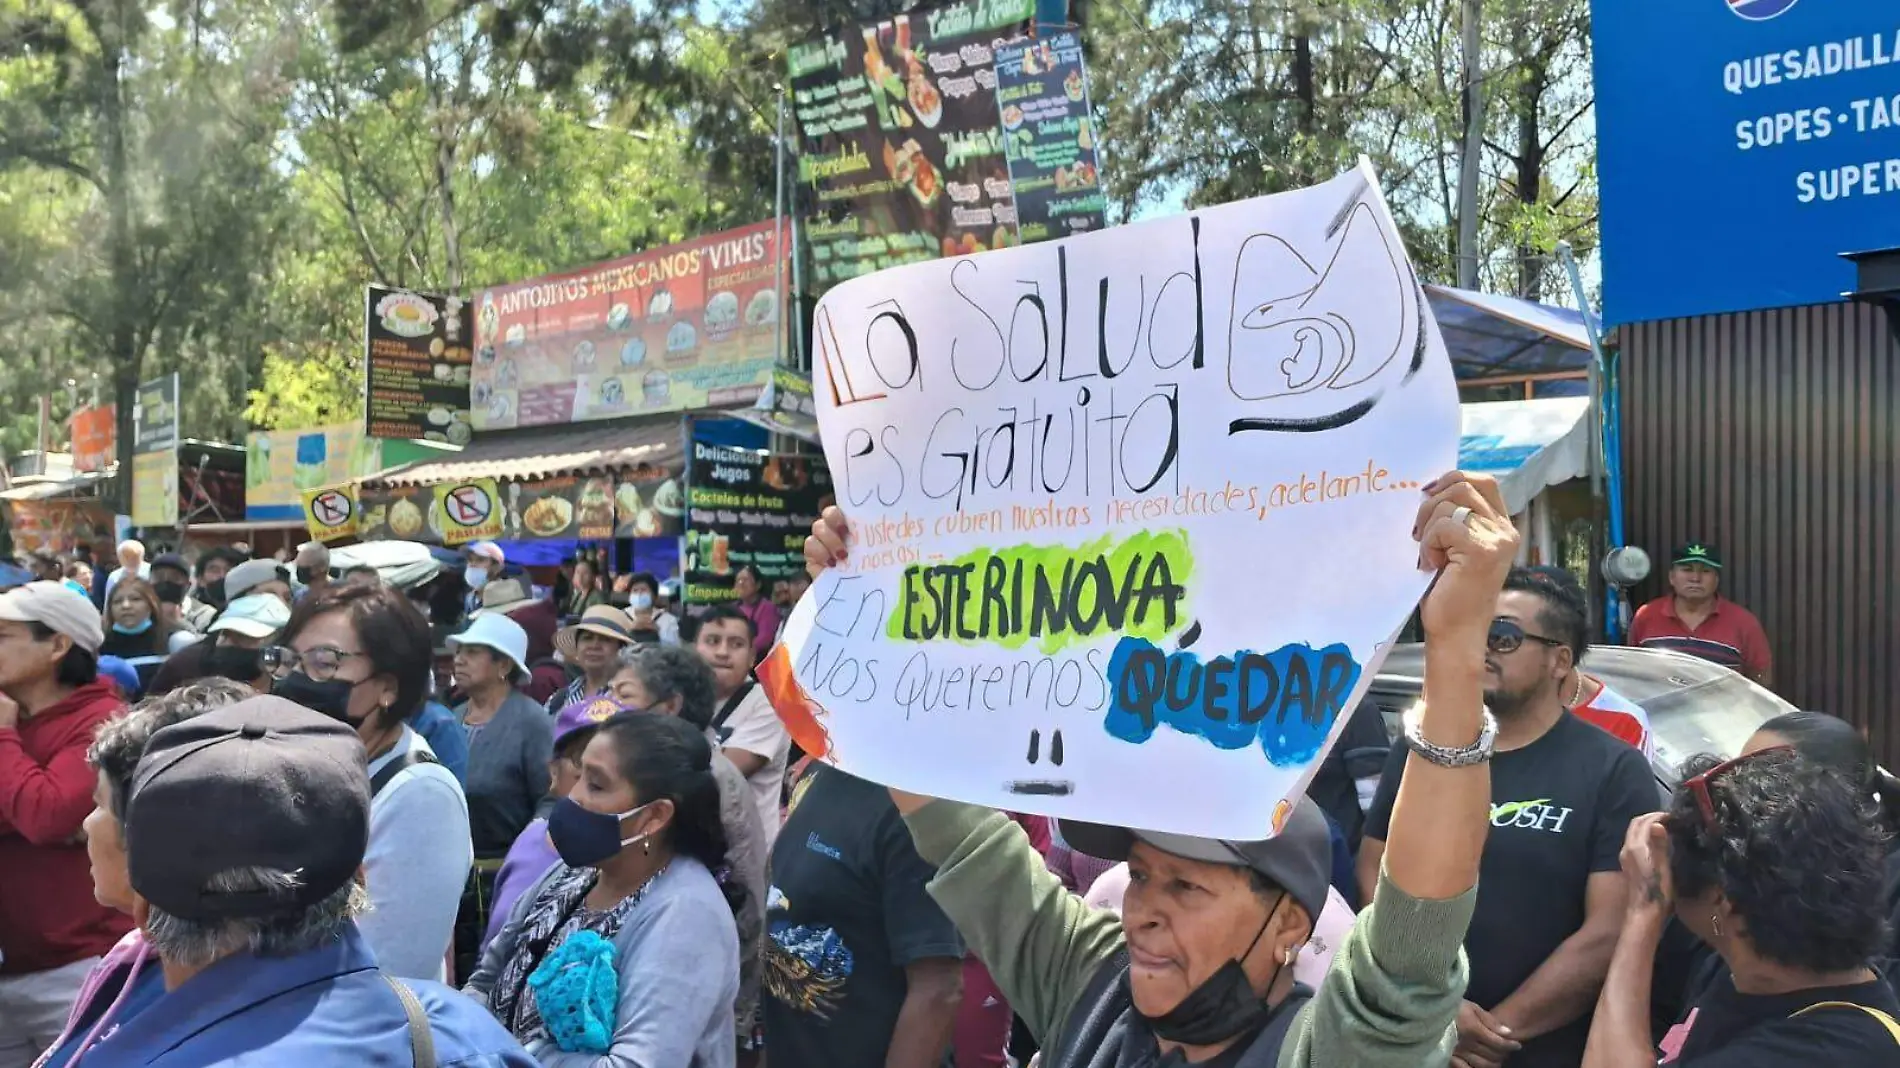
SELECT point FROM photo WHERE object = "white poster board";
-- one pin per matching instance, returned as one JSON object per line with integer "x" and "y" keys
{"x": 1131, "y": 511}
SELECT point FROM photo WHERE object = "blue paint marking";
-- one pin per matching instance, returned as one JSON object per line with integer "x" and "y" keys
{"x": 1286, "y": 700}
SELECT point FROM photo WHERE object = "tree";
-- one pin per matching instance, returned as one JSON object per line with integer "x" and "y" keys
{"x": 161, "y": 123}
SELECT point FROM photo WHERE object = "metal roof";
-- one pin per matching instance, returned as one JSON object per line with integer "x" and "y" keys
{"x": 548, "y": 452}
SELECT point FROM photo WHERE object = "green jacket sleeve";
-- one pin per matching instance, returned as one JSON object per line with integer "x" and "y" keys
{"x": 1391, "y": 998}
{"x": 1040, "y": 942}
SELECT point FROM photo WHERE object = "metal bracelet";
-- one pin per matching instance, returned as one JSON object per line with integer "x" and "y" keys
{"x": 1445, "y": 756}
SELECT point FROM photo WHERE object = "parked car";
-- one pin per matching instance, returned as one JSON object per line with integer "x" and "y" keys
{"x": 1694, "y": 706}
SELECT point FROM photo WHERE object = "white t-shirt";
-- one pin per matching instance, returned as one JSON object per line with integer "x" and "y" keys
{"x": 755, "y": 728}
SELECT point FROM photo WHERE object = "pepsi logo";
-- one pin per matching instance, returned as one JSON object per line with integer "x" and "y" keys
{"x": 1761, "y": 10}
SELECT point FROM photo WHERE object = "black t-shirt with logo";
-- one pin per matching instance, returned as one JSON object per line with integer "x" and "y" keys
{"x": 1560, "y": 808}
{"x": 1727, "y": 1029}
{"x": 847, "y": 911}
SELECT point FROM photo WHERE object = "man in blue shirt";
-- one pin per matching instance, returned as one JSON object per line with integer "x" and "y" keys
{"x": 252, "y": 914}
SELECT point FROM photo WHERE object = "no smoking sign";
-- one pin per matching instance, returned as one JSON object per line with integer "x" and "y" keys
{"x": 332, "y": 509}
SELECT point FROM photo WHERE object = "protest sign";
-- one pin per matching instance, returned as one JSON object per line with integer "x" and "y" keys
{"x": 1131, "y": 511}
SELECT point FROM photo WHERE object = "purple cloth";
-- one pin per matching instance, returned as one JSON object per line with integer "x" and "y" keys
{"x": 764, "y": 616}
{"x": 528, "y": 860}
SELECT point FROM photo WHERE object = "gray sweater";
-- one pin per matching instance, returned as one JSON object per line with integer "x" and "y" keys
{"x": 507, "y": 772}
{"x": 679, "y": 975}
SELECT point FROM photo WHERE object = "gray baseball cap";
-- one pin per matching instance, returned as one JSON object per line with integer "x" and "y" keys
{"x": 58, "y": 607}
{"x": 246, "y": 576}
{"x": 1298, "y": 860}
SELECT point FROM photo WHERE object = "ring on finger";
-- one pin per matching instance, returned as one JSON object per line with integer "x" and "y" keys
{"x": 1461, "y": 515}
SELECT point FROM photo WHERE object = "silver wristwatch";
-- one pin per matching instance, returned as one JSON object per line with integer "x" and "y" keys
{"x": 1445, "y": 757}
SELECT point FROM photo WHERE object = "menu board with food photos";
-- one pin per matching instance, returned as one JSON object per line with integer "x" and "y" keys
{"x": 1049, "y": 137}
{"x": 899, "y": 142}
{"x": 398, "y": 513}
{"x": 416, "y": 352}
{"x": 639, "y": 503}
{"x": 747, "y": 507}
{"x": 692, "y": 325}
{"x": 649, "y": 503}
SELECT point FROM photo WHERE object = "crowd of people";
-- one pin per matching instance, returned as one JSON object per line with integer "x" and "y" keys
{"x": 268, "y": 812}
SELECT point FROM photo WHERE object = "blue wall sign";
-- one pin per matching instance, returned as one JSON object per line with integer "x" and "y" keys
{"x": 1742, "y": 146}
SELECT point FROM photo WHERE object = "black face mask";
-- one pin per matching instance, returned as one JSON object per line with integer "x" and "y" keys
{"x": 235, "y": 663}
{"x": 307, "y": 575}
{"x": 1223, "y": 1007}
{"x": 170, "y": 591}
{"x": 332, "y": 698}
{"x": 212, "y": 593}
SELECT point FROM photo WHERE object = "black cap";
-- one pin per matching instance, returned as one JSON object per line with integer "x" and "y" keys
{"x": 1696, "y": 552}
{"x": 173, "y": 561}
{"x": 1298, "y": 859}
{"x": 262, "y": 783}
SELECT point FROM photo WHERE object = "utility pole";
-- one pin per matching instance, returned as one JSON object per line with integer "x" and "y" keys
{"x": 1469, "y": 174}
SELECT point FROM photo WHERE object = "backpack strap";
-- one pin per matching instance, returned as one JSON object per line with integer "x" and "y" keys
{"x": 397, "y": 766}
{"x": 732, "y": 705}
{"x": 421, "y": 1037}
{"x": 1886, "y": 1021}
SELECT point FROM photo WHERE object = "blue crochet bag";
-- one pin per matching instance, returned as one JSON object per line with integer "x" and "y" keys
{"x": 576, "y": 988}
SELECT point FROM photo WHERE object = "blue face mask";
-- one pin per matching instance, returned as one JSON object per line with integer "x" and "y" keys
{"x": 584, "y": 838}
{"x": 475, "y": 577}
{"x": 640, "y": 602}
{"x": 120, "y": 628}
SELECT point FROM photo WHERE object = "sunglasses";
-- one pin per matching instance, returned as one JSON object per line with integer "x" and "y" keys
{"x": 1698, "y": 785}
{"x": 1507, "y": 636}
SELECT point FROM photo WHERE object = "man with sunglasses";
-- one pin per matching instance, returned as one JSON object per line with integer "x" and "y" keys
{"x": 1550, "y": 890}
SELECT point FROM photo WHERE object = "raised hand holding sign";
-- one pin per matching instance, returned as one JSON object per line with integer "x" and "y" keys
{"x": 1130, "y": 508}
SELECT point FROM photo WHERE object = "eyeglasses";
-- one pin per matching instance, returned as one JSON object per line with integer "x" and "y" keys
{"x": 1698, "y": 785}
{"x": 1507, "y": 636}
{"x": 321, "y": 663}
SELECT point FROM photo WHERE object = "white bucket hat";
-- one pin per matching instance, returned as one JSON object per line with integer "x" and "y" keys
{"x": 494, "y": 630}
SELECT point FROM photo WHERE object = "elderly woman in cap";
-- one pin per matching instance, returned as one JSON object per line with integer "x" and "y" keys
{"x": 510, "y": 740}
{"x": 591, "y": 645}
{"x": 128, "y": 980}
{"x": 1198, "y": 966}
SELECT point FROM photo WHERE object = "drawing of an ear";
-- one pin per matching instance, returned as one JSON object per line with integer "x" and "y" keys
{"x": 1365, "y": 285}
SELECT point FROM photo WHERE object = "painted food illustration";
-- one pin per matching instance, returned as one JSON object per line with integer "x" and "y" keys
{"x": 647, "y": 524}
{"x": 633, "y": 353}
{"x": 681, "y": 338}
{"x": 1072, "y": 85}
{"x": 597, "y": 507}
{"x": 405, "y": 519}
{"x": 762, "y": 309}
{"x": 1012, "y": 117}
{"x": 583, "y": 355}
{"x": 669, "y": 500}
{"x": 722, "y": 312}
{"x": 406, "y": 315}
{"x": 661, "y": 306}
{"x": 612, "y": 393}
{"x": 627, "y": 502}
{"x": 657, "y": 388}
{"x": 925, "y": 100}
{"x": 548, "y": 516}
{"x": 517, "y": 336}
{"x": 619, "y": 317}
{"x": 460, "y": 433}
{"x": 909, "y": 166}
{"x": 490, "y": 318}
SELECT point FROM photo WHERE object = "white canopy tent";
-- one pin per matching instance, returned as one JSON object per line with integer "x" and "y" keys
{"x": 1529, "y": 446}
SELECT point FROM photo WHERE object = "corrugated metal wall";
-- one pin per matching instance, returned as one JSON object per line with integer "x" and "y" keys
{"x": 1773, "y": 434}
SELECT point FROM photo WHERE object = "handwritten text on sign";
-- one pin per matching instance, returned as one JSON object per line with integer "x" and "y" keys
{"x": 1131, "y": 511}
